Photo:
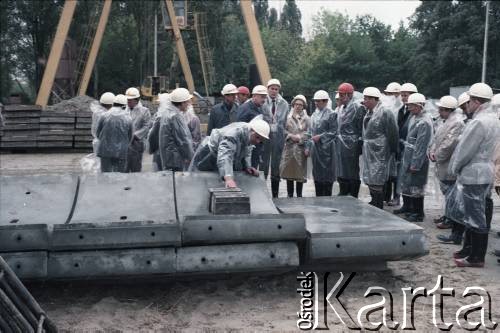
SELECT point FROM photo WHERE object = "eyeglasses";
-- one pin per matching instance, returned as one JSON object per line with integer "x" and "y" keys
{"x": 298, "y": 104}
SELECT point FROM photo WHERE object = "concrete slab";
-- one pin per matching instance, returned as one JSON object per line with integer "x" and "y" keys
{"x": 122, "y": 197}
{"x": 344, "y": 228}
{"x": 95, "y": 264}
{"x": 36, "y": 199}
{"x": 238, "y": 229}
{"x": 24, "y": 237}
{"x": 117, "y": 235}
{"x": 193, "y": 194}
{"x": 237, "y": 258}
{"x": 27, "y": 265}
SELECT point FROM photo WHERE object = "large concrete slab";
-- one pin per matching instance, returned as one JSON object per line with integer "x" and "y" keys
{"x": 344, "y": 228}
{"x": 237, "y": 258}
{"x": 80, "y": 236}
{"x": 125, "y": 197}
{"x": 205, "y": 230}
{"x": 24, "y": 237}
{"x": 193, "y": 195}
{"x": 27, "y": 265}
{"x": 36, "y": 199}
{"x": 94, "y": 264}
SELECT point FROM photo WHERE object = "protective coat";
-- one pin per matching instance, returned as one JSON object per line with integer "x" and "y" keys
{"x": 221, "y": 115}
{"x": 323, "y": 123}
{"x": 114, "y": 132}
{"x": 293, "y": 161}
{"x": 175, "y": 145}
{"x": 380, "y": 140}
{"x": 141, "y": 120}
{"x": 349, "y": 141}
{"x": 444, "y": 143}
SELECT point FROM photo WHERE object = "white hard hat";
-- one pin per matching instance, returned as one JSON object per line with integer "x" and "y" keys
{"x": 107, "y": 98}
{"x": 260, "y": 126}
{"x": 448, "y": 102}
{"x": 320, "y": 94}
{"x": 229, "y": 89}
{"x": 481, "y": 90}
{"x": 463, "y": 98}
{"x": 164, "y": 97}
{"x": 132, "y": 93}
{"x": 372, "y": 92}
{"x": 496, "y": 99}
{"x": 299, "y": 97}
{"x": 416, "y": 98}
{"x": 180, "y": 95}
{"x": 393, "y": 87}
{"x": 274, "y": 82}
{"x": 120, "y": 99}
{"x": 409, "y": 87}
{"x": 259, "y": 90}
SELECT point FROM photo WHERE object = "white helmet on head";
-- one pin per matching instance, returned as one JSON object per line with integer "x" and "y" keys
{"x": 372, "y": 92}
{"x": 132, "y": 93}
{"x": 463, "y": 98}
{"x": 260, "y": 126}
{"x": 259, "y": 90}
{"x": 180, "y": 95}
{"x": 416, "y": 98}
{"x": 448, "y": 102}
{"x": 393, "y": 87}
{"x": 229, "y": 89}
{"x": 301, "y": 98}
{"x": 107, "y": 98}
{"x": 321, "y": 95}
{"x": 409, "y": 87}
{"x": 481, "y": 90}
{"x": 120, "y": 99}
{"x": 496, "y": 99}
{"x": 274, "y": 82}
{"x": 164, "y": 97}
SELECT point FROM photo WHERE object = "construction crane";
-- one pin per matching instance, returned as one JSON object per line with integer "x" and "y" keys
{"x": 65, "y": 22}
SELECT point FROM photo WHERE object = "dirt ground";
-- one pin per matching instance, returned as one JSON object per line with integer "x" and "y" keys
{"x": 252, "y": 302}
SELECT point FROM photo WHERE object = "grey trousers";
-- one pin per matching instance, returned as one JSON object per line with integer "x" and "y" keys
{"x": 111, "y": 164}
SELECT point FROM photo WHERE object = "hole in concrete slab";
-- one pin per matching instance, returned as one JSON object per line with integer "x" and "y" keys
{"x": 153, "y": 234}
{"x": 203, "y": 260}
{"x": 14, "y": 221}
{"x": 148, "y": 262}
{"x": 334, "y": 210}
{"x": 80, "y": 236}
{"x": 338, "y": 246}
{"x": 28, "y": 192}
{"x": 279, "y": 226}
{"x": 404, "y": 243}
{"x": 19, "y": 238}
{"x": 18, "y": 266}
{"x": 127, "y": 188}
{"x": 76, "y": 265}
{"x": 210, "y": 227}
{"x": 272, "y": 255}
{"x": 123, "y": 217}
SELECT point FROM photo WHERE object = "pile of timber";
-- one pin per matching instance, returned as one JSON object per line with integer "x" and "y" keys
{"x": 66, "y": 125}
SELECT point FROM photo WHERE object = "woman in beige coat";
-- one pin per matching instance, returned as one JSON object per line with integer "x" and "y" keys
{"x": 293, "y": 166}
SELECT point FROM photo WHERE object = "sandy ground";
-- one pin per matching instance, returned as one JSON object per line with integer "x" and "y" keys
{"x": 250, "y": 302}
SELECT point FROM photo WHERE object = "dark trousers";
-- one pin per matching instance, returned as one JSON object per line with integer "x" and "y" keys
{"x": 290, "y": 188}
{"x": 204, "y": 160}
{"x": 475, "y": 199}
{"x": 388, "y": 189}
{"x": 349, "y": 187}
{"x": 111, "y": 164}
{"x": 275, "y": 186}
{"x": 323, "y": 189}
{"x": 377, "y": 194}
{"x": 134, "y": 161}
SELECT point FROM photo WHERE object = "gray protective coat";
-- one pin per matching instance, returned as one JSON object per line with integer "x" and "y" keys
{"x": 221, "y": 115}
{"x": 141, "y": 120}
{"x": 323, "y": 123}
{"x": 114, "y": 132}
{"x": 380, "y": 140}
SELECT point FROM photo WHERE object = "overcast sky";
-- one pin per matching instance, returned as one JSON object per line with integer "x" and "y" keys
{"x": 389, "y": 12}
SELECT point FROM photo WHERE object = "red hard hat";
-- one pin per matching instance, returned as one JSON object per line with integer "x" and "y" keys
{"x": 243, "y": 90}
{"x": 345, "y": 88}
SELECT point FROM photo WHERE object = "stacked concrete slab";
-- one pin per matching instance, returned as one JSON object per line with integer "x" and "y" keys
{"x": 21, "y": 126}
{"x": 108, "y": 225}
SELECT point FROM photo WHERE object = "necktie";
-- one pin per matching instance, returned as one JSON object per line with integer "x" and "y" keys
{"x": 273, "y": 109}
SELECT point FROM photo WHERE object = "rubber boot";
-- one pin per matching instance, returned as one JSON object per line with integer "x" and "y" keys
{"x": 343, "y": 186}
{"x": 354, "y": 187}
{"x": 275, "y": 187}
{"x": 377, "y": 199}
{"x": 406, "y": 206}
{"x": 299, "y": 187}
{"x": 488, "y": 211}
{"x": 388, "y": 191}
{"x": 418, "y": 210}
{"x": 466, "y": 247}
{"x": 478, "y": 251}
{"x": 328, "y": 188}
{"x": 289, "y": 188}
{"x": 455, "y": 237}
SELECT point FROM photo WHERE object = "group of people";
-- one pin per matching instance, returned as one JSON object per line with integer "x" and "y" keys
{"x": 386, "y": 139}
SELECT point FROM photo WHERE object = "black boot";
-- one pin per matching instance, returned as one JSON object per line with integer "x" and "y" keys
{"x": 328, "y": 187}
{"x": 354, "y": 186}
{"x": 488, "y": 211}
{"x": 299, "y": 186}
{"x": 289, "y": 188}
{"x": 478, "y": 251}
{"x": 388, "y": 191}
{"x": 343, "y": 186}
{"x": 275, "y": 187}
{"x": 456, "y": 234}
{"x": 466, "y": 247}
{"x": 418, "y": 210}
{"x": 377, "y": 199}
{"x": 406, "y": 206}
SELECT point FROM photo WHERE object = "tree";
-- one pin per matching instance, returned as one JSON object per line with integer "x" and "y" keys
{"x": 290, "y": 18}
{"x": 273, "y": 18}
{"x": 261, "y": 11}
